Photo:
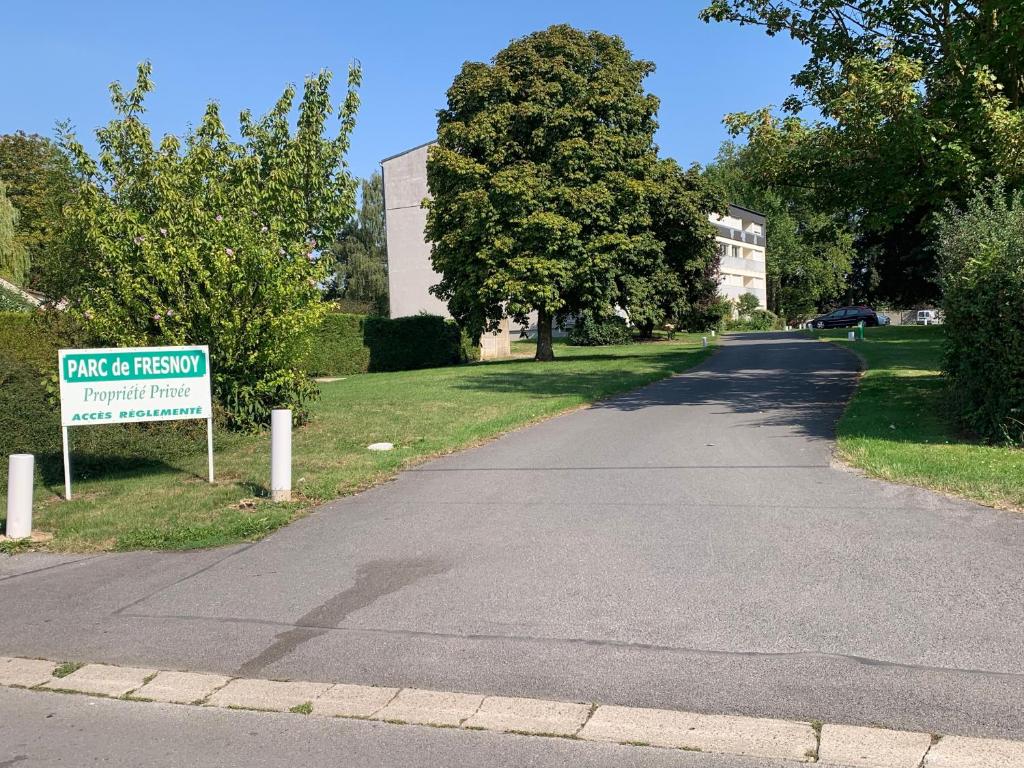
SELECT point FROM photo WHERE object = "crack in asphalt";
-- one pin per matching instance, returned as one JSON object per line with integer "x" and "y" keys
{"x": 302, "y": 630}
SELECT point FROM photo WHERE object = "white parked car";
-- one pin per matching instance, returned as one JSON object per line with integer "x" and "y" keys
{"x": 928, "y": 317}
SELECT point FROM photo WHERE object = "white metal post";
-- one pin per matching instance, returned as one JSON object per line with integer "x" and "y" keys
{"x": 67, "y": 466}
{"x": 20, "y": 479}
{"x": 209, "y": 446}
{"x": 703, "y": 341}
{"x": 281, "y": 455}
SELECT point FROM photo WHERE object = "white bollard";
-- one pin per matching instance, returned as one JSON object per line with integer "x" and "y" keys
{"x": 703, "y": 341}
{"x": 281, "y": 455}
{"x": 712, "y": 333}
{"x": 20, "y": 479}
{"x": 851, "y": 336}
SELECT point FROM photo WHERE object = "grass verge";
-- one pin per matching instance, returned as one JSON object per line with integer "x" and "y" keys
{"x": 164, "y": 502}
{"x": 899, "y": 426}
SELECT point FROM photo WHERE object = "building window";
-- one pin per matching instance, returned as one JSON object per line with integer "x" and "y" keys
{"x": 736, "y": 252}
{"x": 722, "y": 249}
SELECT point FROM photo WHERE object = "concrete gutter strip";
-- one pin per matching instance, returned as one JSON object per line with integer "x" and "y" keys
{"x": 800, "y": 742}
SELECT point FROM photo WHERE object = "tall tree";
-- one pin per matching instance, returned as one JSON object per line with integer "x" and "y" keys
{"x": 680, "y": 275}
{"x": 920, "y": 100}
{"x": 810, "y": 249}
{"x": 39, "y": 181}
{"x": 13, "y": 254}
{"x": 537, "y": 182}
{"x": 208, "y": 240}
{"x": 360, "y": 250}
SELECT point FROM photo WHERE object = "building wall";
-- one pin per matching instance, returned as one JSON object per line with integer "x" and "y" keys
{"x": 741, "y": 239}
{"x": 409, "y": 272}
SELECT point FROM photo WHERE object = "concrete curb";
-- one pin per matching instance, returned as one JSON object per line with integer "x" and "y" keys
{"x": 786, "y": 740}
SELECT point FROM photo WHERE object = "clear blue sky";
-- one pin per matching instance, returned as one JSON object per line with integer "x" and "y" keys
{"x": 59, "y": 56}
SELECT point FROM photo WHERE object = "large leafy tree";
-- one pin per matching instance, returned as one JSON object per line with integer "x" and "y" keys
{"x": 208, "y": 240}
{"x": 360, "y": 251}
{"x": 538, "y": 182}
{"x": 679, "y": 276}
{"x": 810, "y": 250}
{"x": 39, "y": 180}
{"x": 920, "y": 100}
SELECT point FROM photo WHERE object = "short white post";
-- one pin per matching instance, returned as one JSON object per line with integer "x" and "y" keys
{"x": 20, "y": 479}
{"x": 712, "y": 333}
{"x": 851, "y": 336}
{"x": 703, "y": 341}
{"x": 281, "y": 455}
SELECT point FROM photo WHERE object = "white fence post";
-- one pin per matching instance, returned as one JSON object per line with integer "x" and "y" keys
{"x": 281, "y": 455}
{"x": 20, "y": 480}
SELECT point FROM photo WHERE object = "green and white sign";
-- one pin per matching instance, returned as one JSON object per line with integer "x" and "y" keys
{"x": 115, "y": 386}
{"x": 112, "y": 386}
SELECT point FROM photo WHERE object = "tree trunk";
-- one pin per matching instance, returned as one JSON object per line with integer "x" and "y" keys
{"x": 646, "y": 330}
{"x": 545, "y": 351}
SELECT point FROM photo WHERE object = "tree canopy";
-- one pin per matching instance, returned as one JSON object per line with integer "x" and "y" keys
{"x": 39, "y": 179}
{"x": 919, "y": 102}
{"x": 541, "y": 184}
{"x": 207, "y": 240}
{"x": 13, "y": 255}
{"x": 810, "y": 249}
{"x": 360, "y": 251}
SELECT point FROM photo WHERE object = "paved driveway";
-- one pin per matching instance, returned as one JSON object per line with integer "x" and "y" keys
{"x": 686, "y": 546}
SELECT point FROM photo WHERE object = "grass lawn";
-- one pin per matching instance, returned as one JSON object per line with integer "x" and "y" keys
{"x": 900, "y": 427}
{"x": 164, "y": 501}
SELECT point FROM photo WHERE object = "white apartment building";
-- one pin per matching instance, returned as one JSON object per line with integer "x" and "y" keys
{"x": 740, "y": 237}
{"x": 741, "y": 245}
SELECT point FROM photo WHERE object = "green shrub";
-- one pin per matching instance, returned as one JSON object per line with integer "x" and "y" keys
{"x": 30, "y": 413}
{"x": 756, "y": 320}
{"x": 204, "y": 239}
{"x": 338, "y": 348}
{"x": 598, "y": 332}
{"x": 420, "y": 341}
{"x": 350, "y": 344}
{"x": 981, "y": 253}
{"x": 708, "y": 316}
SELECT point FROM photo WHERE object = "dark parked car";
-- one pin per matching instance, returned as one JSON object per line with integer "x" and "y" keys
{"x": 846, "y": 317}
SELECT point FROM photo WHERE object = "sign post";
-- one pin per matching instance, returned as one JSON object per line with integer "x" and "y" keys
{"x": 121, "y": 385}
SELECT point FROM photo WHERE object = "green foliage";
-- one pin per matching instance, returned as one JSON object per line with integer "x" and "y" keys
{"x": 709, "y": 315}
{"x": 420, "y": 341}
{"x": 204, "y": 240}
{"x": 662, "y": 284}
{"x": 30, "y": 416}
{"x": 920, "y": 102}
{"x": 746, "y": 303}
{"x": 539, "y": 182}
{"x": 360, "y": 251}
{"x": 591, "y": 331}
{"x": 809, "y": 251}
{"x": 350, "y": 344}
{"x": 338, "y": 348}
{"x": 755, "y": 320}
{"x": 982, "y": 258}
{"x": 39, "y": 180}
{"x": 14, "y": 258}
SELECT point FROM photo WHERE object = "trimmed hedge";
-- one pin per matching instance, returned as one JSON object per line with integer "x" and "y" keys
{"x": 981, "y": 254}
{"x": 350, "y": 344}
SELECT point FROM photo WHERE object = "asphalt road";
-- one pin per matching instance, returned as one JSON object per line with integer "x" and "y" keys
{"x": 686, "y": 546}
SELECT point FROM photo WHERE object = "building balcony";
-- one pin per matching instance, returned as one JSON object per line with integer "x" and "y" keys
{"x": 738, "y": 235}
{"x": 733, "y": 264}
